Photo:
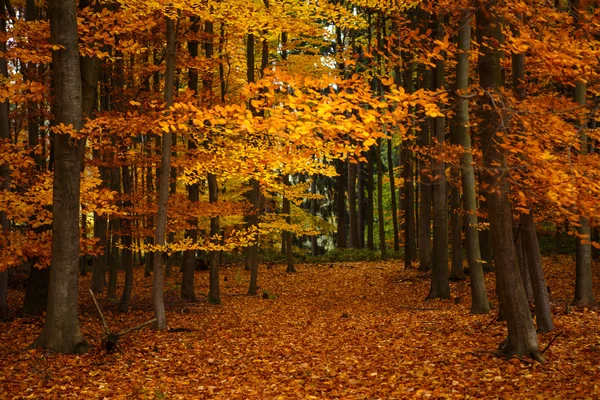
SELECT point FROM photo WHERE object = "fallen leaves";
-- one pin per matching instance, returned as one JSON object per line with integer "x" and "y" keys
{"x": 359, "y": 332}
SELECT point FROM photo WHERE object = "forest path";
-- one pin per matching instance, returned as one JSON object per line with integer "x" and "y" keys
{"x": 341, "y": 330}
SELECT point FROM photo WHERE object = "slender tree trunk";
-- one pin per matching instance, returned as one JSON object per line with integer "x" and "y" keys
{"x": 189, "y": 256}
{"x": 214, "y": 290}
{"x": 313, "y": 211}
{"x": 480, "y": 304}
{"x": 380, "y": 217}
{"x": 425, "y": 187}
{"x": 288, "y": 237}
{"x": 61, "y": 332}
{"x": 352, "y": 209}
{"x": 361, "y": 204}
{"x": 341, "y": 206}
{"x": 543, "y": 315}
{"x": 4, "y": 168}
{"x": 393, "y": 196}
{"x": 163, "y": 188}
{"x": 440, "y": 284}
{"x": 584, "y": 293}
{"x": 127, "y": 243}
{"x": 114, "y": 259}
{"x": 370, "y": 200}
{"x": 522, "y": 338}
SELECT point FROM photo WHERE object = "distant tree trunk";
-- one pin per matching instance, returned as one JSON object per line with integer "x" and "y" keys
{"x": 456, "y": 270}
{"x": 522, "y": 338}
{"x": 393, "y": 196}
{"x": 252, "y": 250}
{"x": 36, "y": 294}
{"x": 313, "y": 211}
{"x": 340, "y": 205}
{"x": 214, "y": 290}
{"x": 289, "y": 235}
{"x": 361, "y": 204}
{"x": 370, "y": 200}
{"x": 543, "y": 315}
{"x": 4, "y": 168}
{"x": 114, "y": 259}
{"x": 189, "y": 256}
{"x": 440, "y": 285}
{"x": 163, "y": 187}
{"x": 480, "y": 304}
{"x": 380, "y": 217}
{"x": 127, "y": 243}
{"x": 352, "y": 209}
{"x": 410, "y": 226}
{"x": 584, "y": 293}
{"x": 61, "y": 332}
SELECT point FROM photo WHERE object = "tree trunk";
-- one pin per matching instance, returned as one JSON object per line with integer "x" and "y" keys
{"x": 361, "y": 204}
{"x": 352, "y": 206}
{"x": 370, "y": 200}
{"x": 393, "y": 196}
{"x": 440, "y": 284}
{"x": 289, "y": 254}
{"x": 163, "y": 187}
{"x": 214, "y": 290}
{"x": 127, "y": 243}
{"x": 36, "y": 294}
{"x": 189, "y": 256}
{"x": 61, "y": 332}
{"x": 340, "y": 205}
{"x": 522, "y": 338}
{"x": 4, "y": 168}
{"x": 584, "y": 293}
{"x": 425, "y": 189}
{"x": 480, "y": 304}
{"x": 252, "y": 251}
{"x": 313, "y": 211}
{"x": 380, "y": 217}
{"x": 114, "y": 259}
{"x": 543, "y": 315}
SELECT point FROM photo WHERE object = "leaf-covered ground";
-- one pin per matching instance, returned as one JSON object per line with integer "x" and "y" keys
{"x": 352, "y": 330}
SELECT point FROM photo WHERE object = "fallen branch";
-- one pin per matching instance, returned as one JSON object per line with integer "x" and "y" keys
{"x": 552, "y": 341}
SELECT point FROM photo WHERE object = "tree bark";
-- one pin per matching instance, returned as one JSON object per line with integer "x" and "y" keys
{"x": 584, "y": 293}
{"x": 127, "y": 243}
{"x": 370, "y": 200}
{"x": 440, "y": 284}
{"x": 393, "y": 196}
{"x": 189, "y": 256}
{"x": 214, "y": 290}
{"x": 61, "y": 332}
{"x": 380, "y": 217}
{"x": 163, "y": 188}
{"x": 4, "y": 168}
{"x": 543, "y": 315}
{"x": 522, "y": 338}
{"x": 352, "y": 209}
{"x": 480, "y": 304}
{"x": 313, "y": 211}
{"x": 341, "y": 205}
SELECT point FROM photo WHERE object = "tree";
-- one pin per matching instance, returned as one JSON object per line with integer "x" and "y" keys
{"x": 61, "y": 332}
{"x": 522, "y": 338}
{"x": 163, "y": 187}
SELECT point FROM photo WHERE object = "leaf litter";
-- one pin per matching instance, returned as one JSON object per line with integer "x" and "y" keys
{"x": 363, "y": 332}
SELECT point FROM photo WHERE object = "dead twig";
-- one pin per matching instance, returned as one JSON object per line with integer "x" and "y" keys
{"x": 552, "y": 341}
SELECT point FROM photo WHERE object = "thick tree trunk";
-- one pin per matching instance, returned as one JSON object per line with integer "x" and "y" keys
{"x": 61, "y": 332}
{"x": 522, "y": 338}
{"x": 480, "y": 304}
{"x": 543, "y": 315}
{"x": 163, "y": 188}
{"x": 440, "y": 284}
{"x": 289, "y": 254}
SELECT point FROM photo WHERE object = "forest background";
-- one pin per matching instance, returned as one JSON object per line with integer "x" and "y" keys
{"x": 177, "y": 136}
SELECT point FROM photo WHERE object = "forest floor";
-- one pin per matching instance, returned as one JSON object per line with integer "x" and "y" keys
{"x": 342, "y": 330}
